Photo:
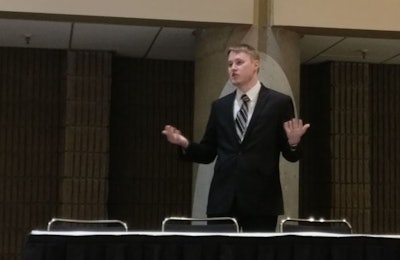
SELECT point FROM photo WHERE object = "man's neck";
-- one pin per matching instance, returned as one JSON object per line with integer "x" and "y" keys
{"x": 245, "y": 88}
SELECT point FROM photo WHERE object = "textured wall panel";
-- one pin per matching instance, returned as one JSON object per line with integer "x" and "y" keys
{"x": 363, "y": 145}
{"x": 350, "y": 138}
{"x": 386, "y": 148}
{"x": 30, "y": 87}
{"x": 147, "y": 181}
{"x": 83, "y": 182}
{"x": 54, "y": 141}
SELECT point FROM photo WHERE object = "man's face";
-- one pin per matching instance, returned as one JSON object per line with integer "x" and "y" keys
{"x": 242, "y": 68}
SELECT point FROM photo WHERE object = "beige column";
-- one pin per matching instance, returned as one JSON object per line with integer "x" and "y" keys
{"x": 279, "y": 70}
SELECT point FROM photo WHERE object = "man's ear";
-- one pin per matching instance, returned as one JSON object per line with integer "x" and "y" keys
{"x": 257, "y": 64}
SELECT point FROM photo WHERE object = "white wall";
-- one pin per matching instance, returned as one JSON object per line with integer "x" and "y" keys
{"x": 382, "y": 15}
{"x": 221, "y": 11}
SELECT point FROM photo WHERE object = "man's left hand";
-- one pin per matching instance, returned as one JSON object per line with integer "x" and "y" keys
{"x": 295, "y": 129}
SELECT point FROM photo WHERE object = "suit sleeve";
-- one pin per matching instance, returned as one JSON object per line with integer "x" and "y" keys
{"x": 206, "y": 150}
{"x": 288, "y": 152}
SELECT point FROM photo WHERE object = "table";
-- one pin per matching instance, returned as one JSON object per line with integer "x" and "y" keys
{"x": 44, "y": 245}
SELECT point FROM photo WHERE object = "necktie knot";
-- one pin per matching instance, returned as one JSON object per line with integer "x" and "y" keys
{"x": 245, "y": 98}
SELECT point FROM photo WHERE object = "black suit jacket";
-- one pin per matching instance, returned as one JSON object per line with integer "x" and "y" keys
{"x": 246, "y": 174}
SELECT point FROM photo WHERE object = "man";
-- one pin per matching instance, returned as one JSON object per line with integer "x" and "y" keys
{"x": 247, "y": 135}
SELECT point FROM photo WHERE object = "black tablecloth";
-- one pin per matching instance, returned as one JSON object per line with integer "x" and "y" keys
{"x": 157, "y": 246}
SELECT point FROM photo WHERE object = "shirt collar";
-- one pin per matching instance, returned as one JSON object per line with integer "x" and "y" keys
{"x": 252, "y": 93}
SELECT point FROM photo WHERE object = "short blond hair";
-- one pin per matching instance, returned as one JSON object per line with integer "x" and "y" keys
{"x": 250, "y": 50}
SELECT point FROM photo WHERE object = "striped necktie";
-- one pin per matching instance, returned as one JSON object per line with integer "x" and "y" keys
{"x": 241, "y": 117}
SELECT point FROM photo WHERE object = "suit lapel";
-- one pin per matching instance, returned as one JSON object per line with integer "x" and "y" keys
{"x": 261, "y": 101}
{"x": 230, "y": 118}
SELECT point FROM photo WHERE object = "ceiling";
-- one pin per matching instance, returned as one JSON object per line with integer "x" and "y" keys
{"x": 176, "y": 43}
{"x": 315, "y": 49}
{"x": 124, "y": 40}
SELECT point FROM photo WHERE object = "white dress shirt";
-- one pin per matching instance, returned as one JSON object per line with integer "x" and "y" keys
{"x": 253, "y": 96}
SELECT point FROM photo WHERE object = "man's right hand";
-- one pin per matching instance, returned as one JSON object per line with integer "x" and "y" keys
{"x": 175, "y": 136}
